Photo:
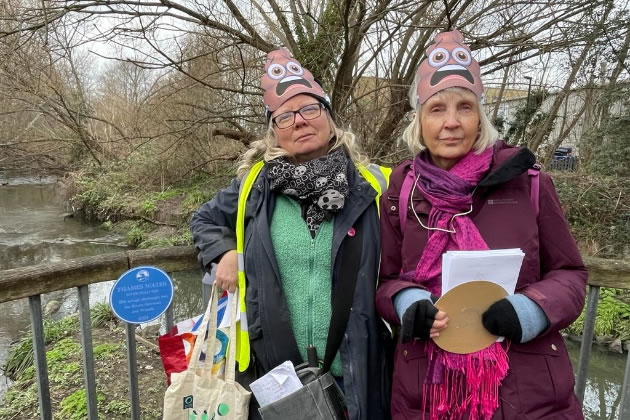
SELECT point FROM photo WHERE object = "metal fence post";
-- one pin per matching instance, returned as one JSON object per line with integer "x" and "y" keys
{"x": 587, "y": 342}
{"x": 87, "y": 352}
{"x": 624, "y": 407}
{"x": 132, "y": 367}
{"x": 169, "y": 317}
{"x": 205, "y": 295}
{"x": 39, "y": 355}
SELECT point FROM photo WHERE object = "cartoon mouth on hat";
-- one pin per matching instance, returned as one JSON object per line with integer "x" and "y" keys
{"x": 451, "y": 70}
{"x": 285, "y": 83}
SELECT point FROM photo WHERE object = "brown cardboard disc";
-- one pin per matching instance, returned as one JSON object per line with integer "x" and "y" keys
{"x": 464, "y": 305}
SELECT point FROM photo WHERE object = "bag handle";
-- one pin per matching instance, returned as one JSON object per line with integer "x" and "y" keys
{"x": 201, "y": 332}
{"x": 211, "y": 344}
{"x": 230, "y": 359}
{"x": 343, "y": 295}
{"x": 534, "y": 187}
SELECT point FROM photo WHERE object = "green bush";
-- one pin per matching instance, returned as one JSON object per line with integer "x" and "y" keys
{"x": 16, "y": 402}
{"x": 598, "y": 210}
{"x": 62, "y": 350}
{"x": 608, "y": 144}
{"x": 74, "y": 406}
{"x": 613, "y": 315}
{"x": 100, "y": 314}
{"x": 104, "y": 351}
{"x": 526, "y": 119}
{"x": 20, "y": 356}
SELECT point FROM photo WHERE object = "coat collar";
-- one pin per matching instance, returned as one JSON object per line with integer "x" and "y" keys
{"x": 508, "y": 162}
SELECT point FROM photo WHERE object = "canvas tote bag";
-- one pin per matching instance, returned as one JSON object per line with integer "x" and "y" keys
{"x": 195, "y": 394}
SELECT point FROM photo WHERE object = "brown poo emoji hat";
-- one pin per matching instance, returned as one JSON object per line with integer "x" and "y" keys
{"x": 285, "y": 78}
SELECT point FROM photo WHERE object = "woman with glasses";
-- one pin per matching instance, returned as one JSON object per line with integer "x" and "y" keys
{"x": 465, "y": 190}
{"x": 308, "y": 201}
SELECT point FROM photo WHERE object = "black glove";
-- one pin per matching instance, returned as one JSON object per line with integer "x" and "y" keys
{"x": 418, "y": 320}
{"x": 501, "y": 319}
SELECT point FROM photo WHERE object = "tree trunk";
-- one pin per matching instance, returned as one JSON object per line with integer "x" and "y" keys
{"x": 495, "y": 111}
{"x": 561, "y": 96}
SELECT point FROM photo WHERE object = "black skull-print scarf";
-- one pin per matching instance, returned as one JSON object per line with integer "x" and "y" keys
{"x": 319, "y": 185}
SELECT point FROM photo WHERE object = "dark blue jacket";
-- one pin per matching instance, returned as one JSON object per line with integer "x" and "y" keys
{"x": 271, "y": 336}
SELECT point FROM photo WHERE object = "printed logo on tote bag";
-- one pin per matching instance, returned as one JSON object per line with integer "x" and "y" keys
{"x": 222, "y": 410}
{"x": 188, "y": 402}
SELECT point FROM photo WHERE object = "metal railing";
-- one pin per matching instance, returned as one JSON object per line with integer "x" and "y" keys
{"x": 602, "y": 273}
{"x": 32, "y": 282}
{"x": 568, "y": 163}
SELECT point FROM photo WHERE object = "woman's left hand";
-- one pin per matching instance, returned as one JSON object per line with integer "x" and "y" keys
{"x": 422, "y": 320}
{"x": 441, "y": 322}
{"x": 227, "y": 271}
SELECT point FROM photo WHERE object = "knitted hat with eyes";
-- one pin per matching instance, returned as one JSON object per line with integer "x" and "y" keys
{"x": 285, "y": 78}
{"x": 449, "y": 63}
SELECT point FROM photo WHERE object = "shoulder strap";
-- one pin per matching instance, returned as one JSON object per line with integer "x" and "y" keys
{"x": 534, "y": 191}
{"x": 343, "y": 295}
{"x": 242, "y": 339}
{"x": 403, "y": 198}
{"x": 378, "y": 177}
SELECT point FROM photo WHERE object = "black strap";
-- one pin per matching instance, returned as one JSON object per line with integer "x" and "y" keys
{"x": 343, "y": 294}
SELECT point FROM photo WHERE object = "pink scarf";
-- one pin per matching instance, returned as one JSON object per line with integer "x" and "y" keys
{"x": 455, "y": 384}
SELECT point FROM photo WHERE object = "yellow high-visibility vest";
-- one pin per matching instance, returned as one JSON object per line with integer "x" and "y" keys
{"x": 377, "y": 176}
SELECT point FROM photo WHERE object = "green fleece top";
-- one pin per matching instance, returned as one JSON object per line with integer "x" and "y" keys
{"x": 305, "y": 272}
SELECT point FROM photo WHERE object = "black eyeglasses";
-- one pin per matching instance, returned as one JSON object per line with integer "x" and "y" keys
{"x": 308, "y": 112}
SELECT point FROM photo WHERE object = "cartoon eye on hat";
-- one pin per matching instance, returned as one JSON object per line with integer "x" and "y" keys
{"x": 287, "y": 74}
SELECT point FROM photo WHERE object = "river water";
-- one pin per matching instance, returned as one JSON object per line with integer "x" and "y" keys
{"x": 33, "y": 231}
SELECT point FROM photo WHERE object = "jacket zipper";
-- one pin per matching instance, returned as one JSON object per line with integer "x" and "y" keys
{"x": 310, "y": 290}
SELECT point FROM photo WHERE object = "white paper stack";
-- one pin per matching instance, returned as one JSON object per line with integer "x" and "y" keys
{"x": 500, "y": 266}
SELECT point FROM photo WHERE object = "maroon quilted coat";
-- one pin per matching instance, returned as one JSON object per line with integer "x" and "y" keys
{"x": 540, "y": 380}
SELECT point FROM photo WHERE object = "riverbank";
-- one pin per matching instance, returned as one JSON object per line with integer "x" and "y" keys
{"x": 147, "y": 215}
{"x": 597, "y": 207}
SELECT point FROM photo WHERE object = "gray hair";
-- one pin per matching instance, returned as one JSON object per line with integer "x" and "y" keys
{"x": 267, "y": 147}
{"x": 412, "y": 136}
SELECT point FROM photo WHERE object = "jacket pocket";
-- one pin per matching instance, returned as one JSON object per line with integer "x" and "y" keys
{"x": 253, "y": 313}
{"x": 421, "y": 208}
{"x": 542, "y": 369}
{"x": 410, "y": 367}
{"x": 420, "y": 205}
{"x": 393, "y": 204}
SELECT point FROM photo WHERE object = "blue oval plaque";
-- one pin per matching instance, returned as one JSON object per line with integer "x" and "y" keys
{"x": 141, "y": 294}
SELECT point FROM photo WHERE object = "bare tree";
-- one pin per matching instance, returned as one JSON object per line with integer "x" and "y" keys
{"x": 593, "y": 37}
{"x": 365, "y": 52}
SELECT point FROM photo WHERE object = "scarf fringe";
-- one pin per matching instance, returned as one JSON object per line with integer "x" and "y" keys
{"x": 457, "y": 384}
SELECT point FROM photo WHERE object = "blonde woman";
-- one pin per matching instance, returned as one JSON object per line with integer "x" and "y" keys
{"x": 308, "y": 200}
